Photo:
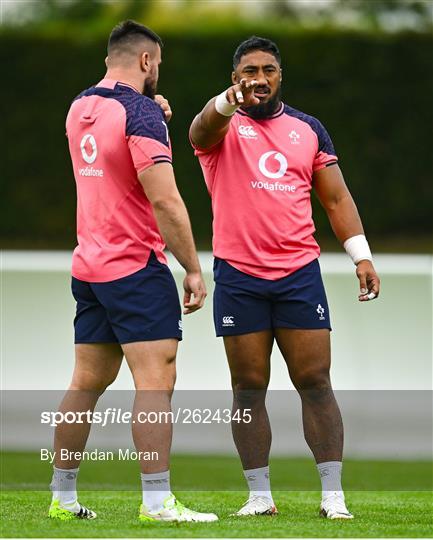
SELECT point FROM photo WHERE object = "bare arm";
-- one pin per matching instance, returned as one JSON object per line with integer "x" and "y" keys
{"x": 209, "y": 127}
{"x": 343, "y": 215}
{"x": 173, "y": 222}
{"x": 336, "y": 199}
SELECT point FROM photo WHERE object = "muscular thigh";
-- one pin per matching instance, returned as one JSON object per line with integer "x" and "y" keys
{"x": 248, "y": 356}
{"x": 96, "y": 365}
{"x": 307, "y": 354}
{"x": 152, "y": 363}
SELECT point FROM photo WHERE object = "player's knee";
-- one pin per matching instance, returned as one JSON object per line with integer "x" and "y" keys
{"x": 313, "y": 379}
{"x": 91, "y": 382}
{"x": 249, "y": 381}
{"x": 249, "y": 391}
{"x": 249, "y": 399}
{"x": 158, "y": 385}
{"x": 157, "y": 380}
{"x": 91, "y": 385}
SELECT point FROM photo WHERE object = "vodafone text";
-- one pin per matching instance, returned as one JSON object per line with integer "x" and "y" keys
{"x": 272, "y": 186}
{"x": 90, "y": 171}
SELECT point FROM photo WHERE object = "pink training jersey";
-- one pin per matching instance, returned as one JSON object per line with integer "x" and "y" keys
{"x": 260, "y": 177}
{"x": 114, "y": 133}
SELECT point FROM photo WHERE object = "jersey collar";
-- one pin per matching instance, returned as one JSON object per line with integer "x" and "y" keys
{"x": 111, "y": 83}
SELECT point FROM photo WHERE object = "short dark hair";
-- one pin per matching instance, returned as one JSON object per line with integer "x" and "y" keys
{"x": 126, "y": 33}
{"x": 255, "y": 43}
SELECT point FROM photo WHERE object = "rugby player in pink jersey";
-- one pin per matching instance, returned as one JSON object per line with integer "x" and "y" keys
{"x": 127, "y": 303}
{"x": 260, "y": 159}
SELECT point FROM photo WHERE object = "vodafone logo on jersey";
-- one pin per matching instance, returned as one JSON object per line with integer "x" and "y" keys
{"x": 88, "y": 141}
{"x": 247, "y": 132}
{"x": 273, "y": 164}
{"x": 89, "y": 152}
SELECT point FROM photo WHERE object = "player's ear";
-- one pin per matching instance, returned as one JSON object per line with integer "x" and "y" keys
{"x": 106, "y": 61}
{"x": 145, "y": 62}
{"x": 234, "y": 78}
{"x": 281, "y": 74}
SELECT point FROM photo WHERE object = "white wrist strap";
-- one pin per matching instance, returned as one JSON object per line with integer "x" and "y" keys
{"x": 224, "y": 107}
{"x": 358, "y": 249}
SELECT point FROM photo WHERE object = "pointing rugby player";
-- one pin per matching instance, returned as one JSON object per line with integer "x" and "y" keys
{"x": 127, "y": 302}
{"x": 261, "y": 158}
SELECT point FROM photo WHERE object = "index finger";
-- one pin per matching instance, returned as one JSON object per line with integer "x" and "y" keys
{"x": 247, "y": 85}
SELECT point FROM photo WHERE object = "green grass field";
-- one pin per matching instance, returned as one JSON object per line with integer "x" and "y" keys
{"x": 399, "y": 506}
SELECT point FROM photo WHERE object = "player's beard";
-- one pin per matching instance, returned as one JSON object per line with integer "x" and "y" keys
{"x": 265, "y": 110}
{"x": 150, "y": 86}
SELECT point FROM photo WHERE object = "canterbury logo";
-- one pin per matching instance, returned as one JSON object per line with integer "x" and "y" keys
{"x": 228, "y": 320}
{"x": 247, "y": 132}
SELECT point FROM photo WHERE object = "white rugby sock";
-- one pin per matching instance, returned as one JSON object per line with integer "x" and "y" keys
{"x": 156, "y": 488}
{"x": 330, "y": 476}
{"x": 64, "y": 486}
{"x": 259, "y": 482}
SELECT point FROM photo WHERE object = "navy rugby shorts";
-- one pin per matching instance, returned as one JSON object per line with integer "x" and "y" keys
{"x": 143, "y": 306}
{"x": 245, "y": 304}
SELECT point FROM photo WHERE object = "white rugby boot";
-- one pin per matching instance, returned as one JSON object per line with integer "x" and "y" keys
{"x": 257, "y": 505}
{"x": 333, "y": 506}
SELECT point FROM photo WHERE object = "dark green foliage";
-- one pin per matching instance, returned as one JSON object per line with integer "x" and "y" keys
{"x": 372, "y": 92}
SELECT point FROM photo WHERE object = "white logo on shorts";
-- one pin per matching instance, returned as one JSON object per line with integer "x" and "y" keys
{"x": 320, "y": 310}
{"x": 228, "y": 320}
{"x": 281, "y": 160}
{"x": 179, "y": 323}
{"x": 91, "y": 140}
{"x": 247, "y": 132}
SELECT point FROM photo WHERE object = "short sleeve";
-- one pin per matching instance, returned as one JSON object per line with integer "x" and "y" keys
{"x": 208, "y": 157}
{"x": 326, "y": 154}
{"x": 147, "y": 134}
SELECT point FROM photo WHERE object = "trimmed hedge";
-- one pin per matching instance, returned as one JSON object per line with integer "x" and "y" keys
{"x": 373, "y": 93}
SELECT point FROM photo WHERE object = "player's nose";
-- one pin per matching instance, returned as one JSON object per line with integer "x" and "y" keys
{"x": 261, "y": 79}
